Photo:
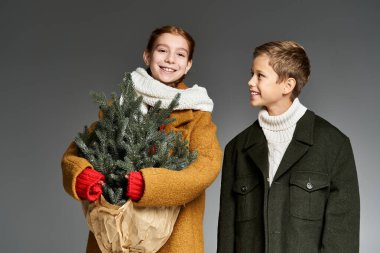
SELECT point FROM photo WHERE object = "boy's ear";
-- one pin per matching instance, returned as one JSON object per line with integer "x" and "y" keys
{"x": 146, "y": 57}
{"x": 289, "y": 85}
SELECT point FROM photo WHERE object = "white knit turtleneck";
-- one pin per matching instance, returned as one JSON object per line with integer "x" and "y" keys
{"x": 152, "y": 90}
{"x": 278, "y": 131}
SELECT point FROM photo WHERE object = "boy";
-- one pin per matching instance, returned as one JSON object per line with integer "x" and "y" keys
{"x": 289, "y": 182}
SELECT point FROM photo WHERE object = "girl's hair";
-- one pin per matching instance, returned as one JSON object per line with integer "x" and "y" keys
{"x": 288, "y": 59}
{"x": 172, "y": 30}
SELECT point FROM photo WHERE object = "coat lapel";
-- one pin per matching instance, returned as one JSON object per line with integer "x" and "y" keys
{"x": 302, "y": 140}
{"x": 257, "y": 148}
{"x": 181, "y": 117}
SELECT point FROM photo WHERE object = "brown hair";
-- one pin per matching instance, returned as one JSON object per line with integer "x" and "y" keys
{"x": 289, "y": 60}
{"x": 172, "y": 30}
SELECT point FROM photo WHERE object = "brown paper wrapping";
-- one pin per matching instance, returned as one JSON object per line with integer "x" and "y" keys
{"x": 129, "y": 229}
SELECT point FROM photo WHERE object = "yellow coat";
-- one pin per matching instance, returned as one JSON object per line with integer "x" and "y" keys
{"x": 163, "y": 187}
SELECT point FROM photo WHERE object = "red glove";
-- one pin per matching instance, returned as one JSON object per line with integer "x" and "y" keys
{"x": 89, "y": 185}
{"x": 136, "y": 185}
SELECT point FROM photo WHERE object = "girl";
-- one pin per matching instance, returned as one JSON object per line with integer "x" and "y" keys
{"x": 168, "y": 57}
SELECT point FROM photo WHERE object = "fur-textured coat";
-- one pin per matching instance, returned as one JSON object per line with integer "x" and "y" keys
{"x": 163, "y": 187}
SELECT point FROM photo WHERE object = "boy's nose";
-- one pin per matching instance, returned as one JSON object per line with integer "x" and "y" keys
{"x": 252, "y": 82}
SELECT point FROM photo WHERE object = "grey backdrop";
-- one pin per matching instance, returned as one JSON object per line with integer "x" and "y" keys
{"x": 52, "y": 53}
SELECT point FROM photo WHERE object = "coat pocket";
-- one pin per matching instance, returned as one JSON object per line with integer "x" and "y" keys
{"x": 247, "y": 197}
{"x": 308, "y": 194}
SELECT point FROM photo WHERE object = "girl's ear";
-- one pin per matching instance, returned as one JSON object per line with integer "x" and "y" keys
{"x": 188, "y": 67}
{"x": 146, "y": 57}
{"x": 289, "y": 85}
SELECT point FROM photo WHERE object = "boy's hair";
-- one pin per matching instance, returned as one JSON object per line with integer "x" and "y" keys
{"x": 172, "y": 30}
{"x": 289, "y": 60}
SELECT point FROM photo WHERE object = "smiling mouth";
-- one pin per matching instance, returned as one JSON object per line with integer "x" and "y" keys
{"x": 167, "y": 69}
{"x": 254, "y": 93}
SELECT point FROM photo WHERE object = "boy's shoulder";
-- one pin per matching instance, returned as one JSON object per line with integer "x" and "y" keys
{"x": 324, "y": 127}
{"x": 241, "y": 138}
{"x": 317, "y": 131}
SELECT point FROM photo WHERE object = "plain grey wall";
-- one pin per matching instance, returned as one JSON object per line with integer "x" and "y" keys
{"x": 52, "y": 53}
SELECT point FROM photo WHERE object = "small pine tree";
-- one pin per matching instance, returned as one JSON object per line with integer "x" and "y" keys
{"x": 126, "y": 140}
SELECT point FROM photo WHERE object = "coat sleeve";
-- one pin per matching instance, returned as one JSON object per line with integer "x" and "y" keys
{"x": 226, "y": 225}
{"x": 165, "y": 187}
{"x": 342, "y": 215}
{"x": 72, "y": 165}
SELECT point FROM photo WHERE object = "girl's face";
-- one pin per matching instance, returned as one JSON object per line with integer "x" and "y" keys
{"x": 169, "y": 59}
{"x": 264, "y": 89}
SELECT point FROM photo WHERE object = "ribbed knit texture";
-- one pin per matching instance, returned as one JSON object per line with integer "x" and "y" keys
{"x": 278, "y": 131}
{"x": 152, "y": 90}
{"x": 135, "y": 185}
{"x": 87, "y": 184}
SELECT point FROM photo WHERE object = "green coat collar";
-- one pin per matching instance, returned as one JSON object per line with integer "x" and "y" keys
{"x": 257, "y": 148}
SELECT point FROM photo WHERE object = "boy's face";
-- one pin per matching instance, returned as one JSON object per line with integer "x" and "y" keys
{"x": 169, "y": 59}
{"x": 264, "y": 89}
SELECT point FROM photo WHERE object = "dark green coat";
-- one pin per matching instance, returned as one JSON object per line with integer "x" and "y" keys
{"x": 312, "y": 205}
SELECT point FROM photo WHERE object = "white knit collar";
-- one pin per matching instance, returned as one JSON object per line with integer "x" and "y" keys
{"x": 283, "y": 121}
{"x": 195, "y": 98}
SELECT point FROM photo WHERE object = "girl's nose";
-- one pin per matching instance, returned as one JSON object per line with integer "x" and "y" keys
{"x": 169, "y": 58}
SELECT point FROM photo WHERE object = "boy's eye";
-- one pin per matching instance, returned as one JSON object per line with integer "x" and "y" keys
{"x": 259, "y": 75}
{"x": 161, "y": 50}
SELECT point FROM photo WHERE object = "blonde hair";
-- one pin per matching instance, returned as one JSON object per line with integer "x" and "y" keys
{"x": 289, "y": 60}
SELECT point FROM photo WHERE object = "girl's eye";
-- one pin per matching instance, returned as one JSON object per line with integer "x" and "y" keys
{"x": 161, "y": 50}
{"x": 181, "y": 54}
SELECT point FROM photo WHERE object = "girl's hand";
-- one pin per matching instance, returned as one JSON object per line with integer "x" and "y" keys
{"x": 135, "y": 185}
{"x": 89, "y": 184}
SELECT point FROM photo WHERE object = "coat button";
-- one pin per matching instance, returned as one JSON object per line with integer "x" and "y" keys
{"x": 244, "y": 188}
{"x": 309, "y": 185}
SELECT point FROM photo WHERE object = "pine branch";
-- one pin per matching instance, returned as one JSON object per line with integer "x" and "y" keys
{"x": 126, "y": 140}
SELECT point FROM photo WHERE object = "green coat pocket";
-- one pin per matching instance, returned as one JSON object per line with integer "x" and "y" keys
{"x": 246, "y": 193}
{"x": 308, "y": 194}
